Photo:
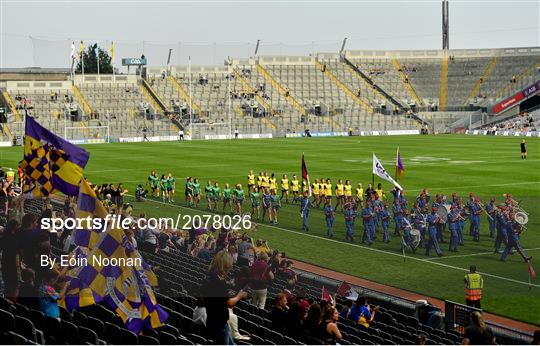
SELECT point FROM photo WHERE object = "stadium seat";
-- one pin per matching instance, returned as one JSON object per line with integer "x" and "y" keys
{"x": 6, "y": 304}
{"x": 37, "y": 318}
{"x": 167, "y": 338}
{"x": 12, "y": 338}
{"x": 197, "y": 339}
{"x": 127, "y": 337}
{"x": 88, "y": 336}
{"x": 21, "y": 310}
{"x": 64, "y": 314}
{"x": 53, "y": 330}
{"x": 25, "y": 327}
{"x": 7, "y": 321}
{"x": 96, "y": 325}
{"x": 80, "y": 319}
{"x": 69, "y": 331}
{"x": 112, "y": 333}
{"x": 148, "y": 340}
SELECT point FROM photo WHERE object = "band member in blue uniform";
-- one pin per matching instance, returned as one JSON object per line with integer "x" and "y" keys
{"x": 398, "y": 215}
{"x": 419, "y": 221}
{"x": 433, "y": 220}
{"x": 461, "y": 221}
{"x": 349, "y": 212}
{"x": 385, "y": 220}
{"x": 329, "y": 212}
{"x": 475, "y": 211}
{"x": 502, "y": 221}
{"x": 490, "y": 209}
{"x": 367, "y": 218}
{"x": 377, "y": 208}
{"x": 513, "y": 241}
{"x": 305, "y": 204}
{"x": 453, "y": 226}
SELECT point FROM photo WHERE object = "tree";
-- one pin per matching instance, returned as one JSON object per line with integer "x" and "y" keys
{"x": 90, "y": 61}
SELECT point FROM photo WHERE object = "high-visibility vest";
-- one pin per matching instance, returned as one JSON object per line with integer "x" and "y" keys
{"x": 474, "y": 284}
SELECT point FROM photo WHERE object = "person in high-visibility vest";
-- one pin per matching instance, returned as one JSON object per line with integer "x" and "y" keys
{"x": 473, "y": 287}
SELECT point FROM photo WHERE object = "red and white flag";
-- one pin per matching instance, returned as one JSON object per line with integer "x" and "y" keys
{"x": 327, "y": 296}
{"x": 305, "y": 175}
{"x": 345, "y": 290}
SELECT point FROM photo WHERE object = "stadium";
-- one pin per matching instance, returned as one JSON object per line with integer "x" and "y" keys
{"x": 270, "y": 173}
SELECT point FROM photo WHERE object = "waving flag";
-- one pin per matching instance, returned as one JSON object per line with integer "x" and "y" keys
{"x": 88, "y": 205}
{"x": 50, "y": 163}
{"x": 96, "y": 51}
{"x": 126, "y": 287}
{"x": 399, "y": 165}
{"x": 379, "y": 171}
{"x": 81, "y": 48}
{"x": 345, "y": 290}
{"x": 305, "y": 175}
{"x": 325, "y": 295}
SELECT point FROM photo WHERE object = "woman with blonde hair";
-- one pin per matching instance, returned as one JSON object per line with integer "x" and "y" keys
{"x": 217, "y": 301}
{"x": 477, "y": 333}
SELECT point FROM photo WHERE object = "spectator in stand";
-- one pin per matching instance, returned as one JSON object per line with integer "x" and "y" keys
{"x": 478, "y": 333}
{"x": 207, "y": 251}
{"x": 361, "y": 312}
{"x": 33, "y": 242}
{"x": 246, "y": 251}
{"x": 347, "y": 305}
{"x": 312, "y": 323}
{"x": 28, "y": 292}
{"x": 261, "y": 246}
{"x": 217, "y": 301}
{"x": 10, "y": 259}
{"x": 294, "y": 320}
{"x": 48, "y": 296}
{"x": 260, "y": 277}
{"x": 278, "y": 316}
{"x": 149, "y": 239}
{"x": 330, "y": 331}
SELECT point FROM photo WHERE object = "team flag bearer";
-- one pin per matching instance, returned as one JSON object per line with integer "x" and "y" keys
{"x": 305, "y": 201}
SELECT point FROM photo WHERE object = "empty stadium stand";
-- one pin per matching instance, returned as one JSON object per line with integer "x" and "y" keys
{"x": 279, "y": 95}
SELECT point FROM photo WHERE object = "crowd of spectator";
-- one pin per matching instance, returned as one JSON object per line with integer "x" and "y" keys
{"x": 523, "y": 122}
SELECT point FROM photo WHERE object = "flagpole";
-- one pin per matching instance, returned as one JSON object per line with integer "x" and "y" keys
{"x": 112, "y": 61}
{"x": 97, "y": 59}
{"x": 190, "y": 105}
{"x": 82, "y": 59}
{"x": 396, "y": 176}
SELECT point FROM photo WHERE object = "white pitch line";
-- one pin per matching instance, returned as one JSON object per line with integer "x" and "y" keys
{"x": 362, "y": 247}
{"x": 472, "y": 255}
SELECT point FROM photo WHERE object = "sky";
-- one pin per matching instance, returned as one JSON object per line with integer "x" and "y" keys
{"x": 40, "y": 33}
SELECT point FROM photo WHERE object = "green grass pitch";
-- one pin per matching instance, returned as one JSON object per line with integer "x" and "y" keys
{"x": 489, "y": 166}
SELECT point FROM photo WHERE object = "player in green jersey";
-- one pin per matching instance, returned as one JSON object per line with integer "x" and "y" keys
{"x": 215, "y": 198}
{"x": 171, "y": 184}
{"x": 188, "y": 192}
{"x": 227, "y": 192}
{"x": 209, "y": 194}
{"x": 153, "y": 183}
{"x": 163, "y": 187}
{"x": 239, "y": 197}
{"x": 276, "y": 203}
{"x": 196, "y": 192}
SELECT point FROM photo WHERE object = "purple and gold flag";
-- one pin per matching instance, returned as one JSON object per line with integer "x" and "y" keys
{"x": 50, "y": 163}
